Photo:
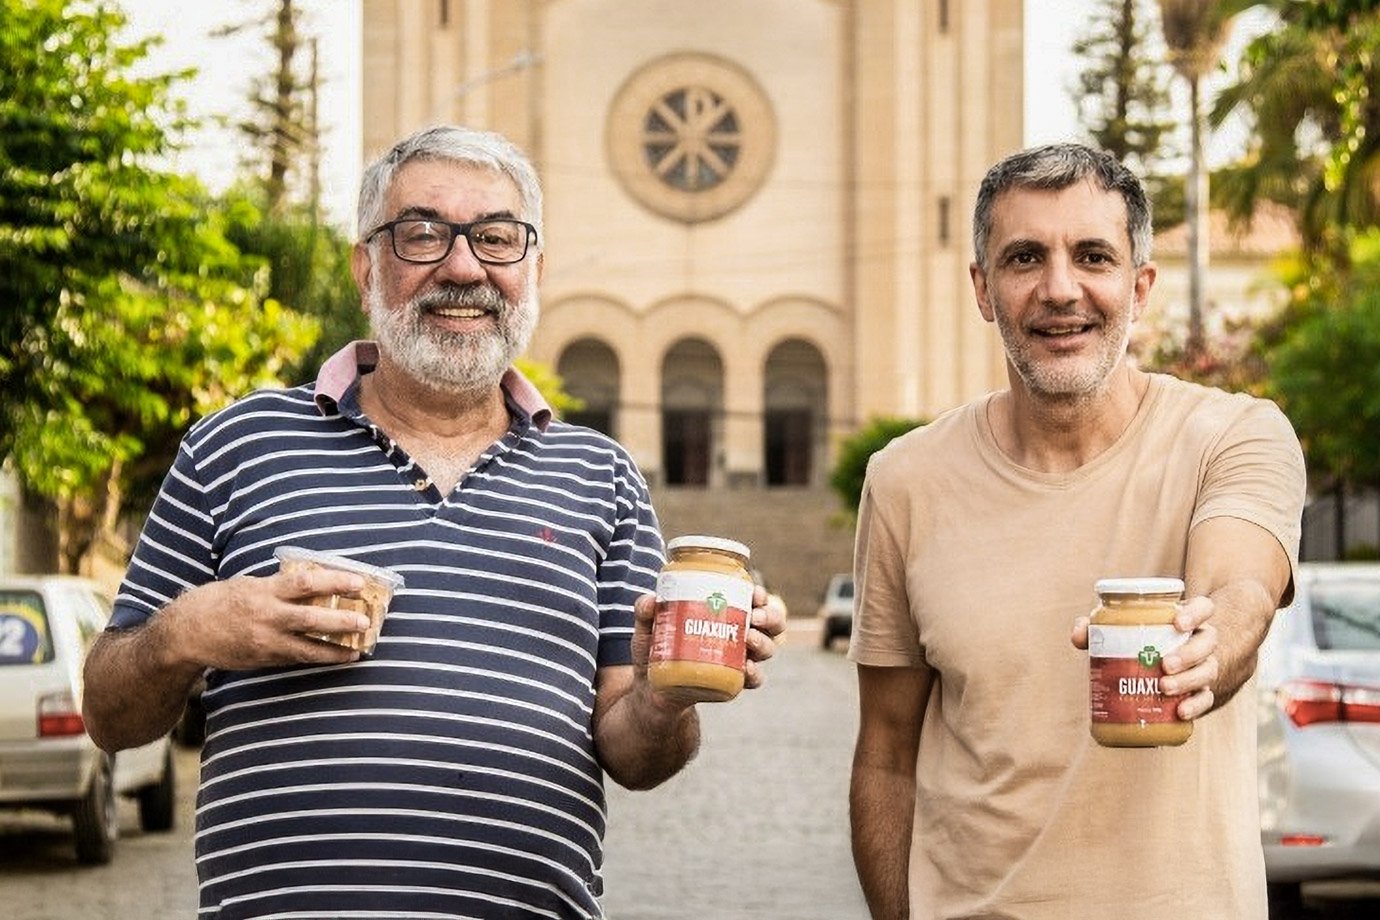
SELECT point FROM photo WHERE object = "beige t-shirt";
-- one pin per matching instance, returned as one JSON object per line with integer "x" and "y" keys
{"x": 976, "y": 568}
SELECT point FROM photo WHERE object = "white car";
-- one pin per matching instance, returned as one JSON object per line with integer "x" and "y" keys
{"x": 1319, "y": 732}
{"x": 47, "y": 761}
{"x": 836, "y": 610}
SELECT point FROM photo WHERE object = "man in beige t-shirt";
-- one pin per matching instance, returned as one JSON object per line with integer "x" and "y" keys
{"x": 977, "y": 791}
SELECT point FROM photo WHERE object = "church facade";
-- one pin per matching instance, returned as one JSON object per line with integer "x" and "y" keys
{"x": 758, "y": 212}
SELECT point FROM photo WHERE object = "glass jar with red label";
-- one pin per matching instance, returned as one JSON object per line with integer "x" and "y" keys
{"x": 1128, "y": 636}
{"x": 703, "y": 611}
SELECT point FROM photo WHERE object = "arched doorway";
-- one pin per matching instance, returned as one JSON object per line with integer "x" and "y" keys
{"x": 589, "y": 369}
{"x": 795, "y": 412}
{"x": 692, "y": 399}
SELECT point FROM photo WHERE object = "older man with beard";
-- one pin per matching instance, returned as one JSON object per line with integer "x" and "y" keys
{"x": 457, "y": 771}
{"x": 976, "y": 790}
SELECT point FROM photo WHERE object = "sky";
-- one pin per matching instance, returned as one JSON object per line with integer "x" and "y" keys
{"x": 227, "y": 65}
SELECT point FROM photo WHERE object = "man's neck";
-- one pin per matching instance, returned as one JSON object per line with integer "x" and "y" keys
{"x": 402, "y": 406}
{"x": 1055, "y": 435}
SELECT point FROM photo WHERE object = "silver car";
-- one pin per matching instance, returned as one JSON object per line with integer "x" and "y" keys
{"x": 47, "y": 761}
{"x": 1319, "y": 731}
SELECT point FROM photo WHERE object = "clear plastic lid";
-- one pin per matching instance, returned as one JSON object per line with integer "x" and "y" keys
{"x": 330, "y": 560}
{"x": 1143, "y": 587}
{"x": 695, "y": 541}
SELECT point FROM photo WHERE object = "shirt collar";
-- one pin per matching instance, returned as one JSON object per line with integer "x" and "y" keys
{"x": 360, "y": 357}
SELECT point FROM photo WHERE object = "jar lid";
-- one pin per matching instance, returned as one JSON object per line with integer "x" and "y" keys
{"x": 702, "y": 542}
{"x": 1144, "y": 586}
{"x": 332, "y": 561}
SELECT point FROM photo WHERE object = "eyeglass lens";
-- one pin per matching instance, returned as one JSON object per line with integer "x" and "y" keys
{"x": 490, "y": 240}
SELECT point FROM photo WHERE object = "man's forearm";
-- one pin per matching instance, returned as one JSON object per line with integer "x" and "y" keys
{"x": 134, "y": 691}
{"x": 1244, "y": 611}
{"x": 880, "y": 812}
{"x": 642, "y": 744}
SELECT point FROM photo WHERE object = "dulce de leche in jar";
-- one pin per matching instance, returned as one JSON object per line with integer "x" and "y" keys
{"x": 1128, "y": 635}
{"x": 703, "y": 606}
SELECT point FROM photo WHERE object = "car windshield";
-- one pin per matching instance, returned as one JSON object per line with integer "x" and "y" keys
{"x": 1346, "y": 614}
{"x": 24, "y": 635}
{"x": 846, "y": 589}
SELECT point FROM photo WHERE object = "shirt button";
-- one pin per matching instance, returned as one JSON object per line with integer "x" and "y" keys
{"x": 420, "y": 485}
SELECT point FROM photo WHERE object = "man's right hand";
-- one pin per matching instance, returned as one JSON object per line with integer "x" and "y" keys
{"x": 250, "y": 622}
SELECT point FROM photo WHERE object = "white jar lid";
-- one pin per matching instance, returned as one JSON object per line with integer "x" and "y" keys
{"x": 1143, "y": 586}
{"x": 703, "y": 542}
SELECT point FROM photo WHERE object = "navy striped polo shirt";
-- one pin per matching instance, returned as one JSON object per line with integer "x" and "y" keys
{"x": 453, "y": 773}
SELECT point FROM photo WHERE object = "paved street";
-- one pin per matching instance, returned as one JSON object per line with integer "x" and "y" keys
{"x": 754, "y": 829}
{"x": 757, "y": 827}
{"x": 151, "y": 877}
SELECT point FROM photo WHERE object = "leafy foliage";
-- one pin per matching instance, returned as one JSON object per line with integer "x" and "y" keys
{"x": 74, "y": 197}
{"x": 856, "y": 450}
{"x": 1307, "y": 90}
{"x": 1231, "y": 360}
{"x": 1325, "y": 364}
{"x": 304, "y": 264}
{"x": 550, "y": 385}
{"x": 132, "y": 313}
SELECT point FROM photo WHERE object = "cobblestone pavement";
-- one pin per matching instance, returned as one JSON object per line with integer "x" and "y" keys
{"x": 755, "y": 829}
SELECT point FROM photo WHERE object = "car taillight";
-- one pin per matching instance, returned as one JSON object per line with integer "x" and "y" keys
{"x": 1308, "y": 702}
{"x": 58, "y": 715}
{"x": 1302, "y": 840}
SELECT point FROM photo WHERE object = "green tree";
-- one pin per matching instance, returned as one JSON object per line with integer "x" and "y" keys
{"x": 1337, "y": 415}
{"x": 75, "y": 196}
{"x": 133, "y": 317}
{"x": 1325, "y": 364}
{"x": 1307, "y": 88}
{"x": 307, "y": 266}
{"x": 122, "y": 372}
{"x": 1196, "y": 31}
{"x": 857, "y": 449}
{"x": 282, "y": 130}
{"x": 1122, "y": 92}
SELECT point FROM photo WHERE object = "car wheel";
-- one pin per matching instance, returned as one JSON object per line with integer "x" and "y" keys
{"x": 95, "y": 819}
{"x": 1286, "y": 900}
{"x": 158, "y": 802}
{"x": 826, "y": 637}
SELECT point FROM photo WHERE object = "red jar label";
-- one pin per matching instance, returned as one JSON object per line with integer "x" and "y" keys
{"x": 701, "y": 617}
{"x": 1125, "y": 670}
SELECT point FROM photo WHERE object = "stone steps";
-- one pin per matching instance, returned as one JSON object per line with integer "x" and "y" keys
{"x": 798, "y": 536}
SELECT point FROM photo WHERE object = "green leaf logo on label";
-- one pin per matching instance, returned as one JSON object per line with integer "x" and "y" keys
{"x": 1149, "y": 656}
{"x": 717, "y": 602}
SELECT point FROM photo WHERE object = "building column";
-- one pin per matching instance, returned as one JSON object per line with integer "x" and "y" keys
{"x": 743, "y": 447}
{"x": 639, "y": 408}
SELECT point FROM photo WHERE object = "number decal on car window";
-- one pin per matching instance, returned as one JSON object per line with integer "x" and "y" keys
{"x": 22, "y": 637}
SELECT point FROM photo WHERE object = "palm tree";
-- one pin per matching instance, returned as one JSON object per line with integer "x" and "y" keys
{"x": 1195, "y": 31}
{"x": 1306, "y": 88}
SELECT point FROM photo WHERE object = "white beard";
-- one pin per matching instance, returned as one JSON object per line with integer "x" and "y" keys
{"x": 452, "y": 362}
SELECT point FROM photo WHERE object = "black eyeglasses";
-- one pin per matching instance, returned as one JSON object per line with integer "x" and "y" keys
{"x": 500, "y": 241}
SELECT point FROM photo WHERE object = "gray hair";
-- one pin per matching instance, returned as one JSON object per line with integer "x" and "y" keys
{"x": 484, "y": 149}
{"x": 1058, "y": 166}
